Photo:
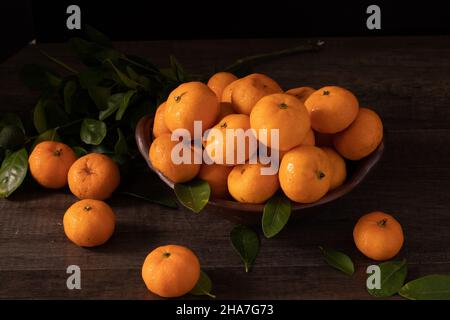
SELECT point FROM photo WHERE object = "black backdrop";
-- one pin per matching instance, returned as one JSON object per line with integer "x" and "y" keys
{"x": 45, "y": 20}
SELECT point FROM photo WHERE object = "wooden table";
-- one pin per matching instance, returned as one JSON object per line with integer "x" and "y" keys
{"x": 406, "y": 80}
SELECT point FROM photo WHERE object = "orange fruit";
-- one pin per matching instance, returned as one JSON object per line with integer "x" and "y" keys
{"x": 161, "y": 158}
{"x": 228, "y": 90}
{"x": 310, "y": 139}
{"x": 89, "y": 223}
{"x": 267, "y": 81}
{"x": 94, "y": 176}
{"x": 362, "y": 137}
{"x": 378, "y": 236}
{"x": 301, "y": 93}
{"x": 283, "y": 112}
{"x": 219, "y": 81}
{"x": 246, "y": 184}
{"x": 225, "y": 109}
{"x": 171, "y": 271}
{"x": 213, "y": 142}
{"x": 49, "y": 163}
{"x": 305, "y": 174}
{"x": 159, "y": 126}
{"x": 323, "y": 139}
{"x": 332, "y": 109}
{"x": 216, "y": 175}
{"x": 189, "y": 102}
{"x": 338, "y": 168}
{"x": 248, "y": 91}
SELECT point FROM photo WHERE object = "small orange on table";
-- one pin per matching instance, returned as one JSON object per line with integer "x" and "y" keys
{"x": 171, "y": 271}
{"x": 94, "y": 176}
{"x": 89, "y": 223}
{"x": 50, "y": 162}
{"x": 378, "y": 236}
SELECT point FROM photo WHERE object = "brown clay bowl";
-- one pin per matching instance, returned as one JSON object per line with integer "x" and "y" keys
{"x": 356, "y": 172}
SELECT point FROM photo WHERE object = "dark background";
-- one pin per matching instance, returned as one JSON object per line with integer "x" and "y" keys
{"x": 24, "y": 20}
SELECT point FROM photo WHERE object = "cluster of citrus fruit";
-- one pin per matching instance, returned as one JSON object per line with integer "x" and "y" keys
{"x": 318, "y": 129}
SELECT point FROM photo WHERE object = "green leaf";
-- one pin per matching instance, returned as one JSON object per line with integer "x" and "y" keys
{"x": 79, "y": 151}
{"x": 276, "y": 214}
{"x": 39, "y": 119}
{"x": 92, "y": 131}
{"x": 246, "y": 243}
{"x": 100, "y": 96}
{"x": 102, "y": 149}
{"x": 48, "y": 114}
{"x": 91, "y": 77}
{"x": 96, "y": 36}
{"x": 132, "y": 73}
{"x": 13, "y": 171}
{"x": 203, "y": 286}
{"x": 158, "y": 199}
{"x": 126, "y": 81}
{"x": 49, "y": 135}
{"x": 11, "y": 137}
{"x": 121, "y": 146}
{"x": 11, "y": 119}
{"x": 431, "y": 287}
{"x": 124, "y": 104}
{"x": 194, "y": 195}
{"x": 69, "y": 93}
{"x": 39, "y": 77}
{"x": 338, "y": 260}
{"x": 393, "y": 275}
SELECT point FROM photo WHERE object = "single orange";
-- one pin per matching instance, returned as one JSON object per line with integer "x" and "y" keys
{"x": 338, "y": 168}
{"x": 216, "y": 175}
{"x": 94, "y": 176}
{"x": 305, "y": 174}
{"x": 283, "y": 112}
{"x": 228, "y": 91}
{"x": 160, "y": 154}
{"x": 310, "y": 139}
{"x": 246, "y": 184}
{"x": 378, "y": 236}
{"x": 50, "y": 162}
{"x": 219, "y": 81}
{"x": 190, "y": 102}
{"x": 159, "y": 126}
{"x": 217, "y": 140}
{"x": 267, "y": 81}
{"x": 332, "y": 109}
{"x": 89, "y": 223}
{"x": 362, "y": 137}
{"x": 171, "y": 271}
{"x": 248, "y": 91}
{"x": 301, "y": 93}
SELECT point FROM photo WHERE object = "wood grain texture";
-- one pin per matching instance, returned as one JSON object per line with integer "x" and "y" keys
{"x": 406, "y": 80}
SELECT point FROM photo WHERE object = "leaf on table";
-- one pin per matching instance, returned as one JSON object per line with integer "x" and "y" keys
{"x": 338, "y": 260}
{"x": 156, "y": 198}
{"x": 48, "y": 114}
{"x": 11, "y": 137}
{"x": 13, "y": 171}
{"x": 79, "y": 151}
{"x": 92, "y": 131}
{"x": 431, "y": 287}
{"x": 100, "y": 96}
{"x": 203, "y": 286}
{"x": 126, "y": 81}
{"x": 276, "y": 214}
{"x": 393, "y": 275}
{"x": 96, "y": 36}
{"x": 90, "y": 77}
{"x": 39, "y": 77}
{"x": 70, "y": 89}
{"x": 177, "y": 69}
{"x": 121, "y": 147}
{"x": 49, "y": 135}
{"x": 124, "y": 104}
{"x": 11, "y": 119}
{"x": 246, "y": 243}
{"x": 194, "y": 195}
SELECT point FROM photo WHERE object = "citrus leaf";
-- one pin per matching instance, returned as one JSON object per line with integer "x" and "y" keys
{"x": 11, "y": 119}
{"x": 96, "y": 36}
{"x": 13, "y": 171}
{"x": 126, "y": 81}
{"x": 203, "y": 286}
{"x": 393, "y": 275}
{"x": 48, "y": 114}
{"x": 121, "y": 146}
{"x": 92, "y": 131}
{"x": 49, "y": 135}
{"x": 194, "y": 195}
{"x": 124, "y": 104}
{"x": 38, "y": 77}
{"x": 11, "y": 137}
{"x": 163, "y": 200}
{"x": 275, "y": 215}
{"x": 100, "y": 96}
{"x": 246, "y": 243}
{"x": 90, "y": 77}
{"x": 69, "y": 92}
{"x": 177, "y": 69}
{"x": 79, "y": 151}
{"x": 338, "y": 260}
{"x": 39, "y": 120}
{"x": 431, "y": 287}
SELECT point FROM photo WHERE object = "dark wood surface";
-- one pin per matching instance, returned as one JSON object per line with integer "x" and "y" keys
{"x": 406, "y": 80}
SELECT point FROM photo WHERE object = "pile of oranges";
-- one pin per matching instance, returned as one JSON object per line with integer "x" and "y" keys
{"x": 318, "y": 130}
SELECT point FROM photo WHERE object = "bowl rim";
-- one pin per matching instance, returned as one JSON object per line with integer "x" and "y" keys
{"x": 143, "y": 135}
